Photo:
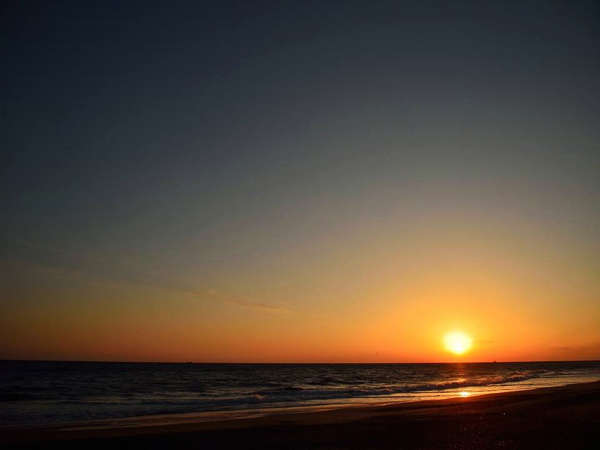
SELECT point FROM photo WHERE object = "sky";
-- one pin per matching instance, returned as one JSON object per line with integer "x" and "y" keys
{"x": 299, "y": 181}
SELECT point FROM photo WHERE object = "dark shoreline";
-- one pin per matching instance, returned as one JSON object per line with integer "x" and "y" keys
{"x": 557, "y": 417}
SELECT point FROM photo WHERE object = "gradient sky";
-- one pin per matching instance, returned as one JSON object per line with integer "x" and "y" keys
{"x": 305, "y": 181}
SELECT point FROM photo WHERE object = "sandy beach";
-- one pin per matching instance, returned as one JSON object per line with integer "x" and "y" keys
{"x": 560, "y": 417}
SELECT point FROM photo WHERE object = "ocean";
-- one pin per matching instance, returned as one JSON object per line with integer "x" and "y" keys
{"x": 41, "y": 393}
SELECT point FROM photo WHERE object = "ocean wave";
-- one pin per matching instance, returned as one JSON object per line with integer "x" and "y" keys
{"x": 323, "y": 388}
{"x": 62, "y": 392}
{"x": 313, "y": 392}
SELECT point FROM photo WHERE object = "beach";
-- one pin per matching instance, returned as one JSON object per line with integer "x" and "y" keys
{"x": 557, "y": 417}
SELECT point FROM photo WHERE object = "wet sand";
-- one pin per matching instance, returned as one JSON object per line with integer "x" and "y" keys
{"x": 566, "y": 417}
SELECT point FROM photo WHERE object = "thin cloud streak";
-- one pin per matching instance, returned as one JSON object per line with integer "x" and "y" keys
{"x": 259, "y": 306}
{"x": 96, "y": 278}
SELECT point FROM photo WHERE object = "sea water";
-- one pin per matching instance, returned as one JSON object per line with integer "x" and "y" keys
{"x": 35, "y": 392}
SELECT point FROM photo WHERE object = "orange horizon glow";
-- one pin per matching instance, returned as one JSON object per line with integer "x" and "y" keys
{"x": 379, "y": 329}
{"x": 334, "y": 308}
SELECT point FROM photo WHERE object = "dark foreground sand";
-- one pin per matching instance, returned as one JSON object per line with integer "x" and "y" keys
{"x": 565, "y": 417}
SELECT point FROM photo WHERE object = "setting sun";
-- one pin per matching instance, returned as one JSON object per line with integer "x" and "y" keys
{"x": 457, "y": 342}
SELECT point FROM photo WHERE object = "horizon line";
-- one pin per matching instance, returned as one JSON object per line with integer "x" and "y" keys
{"x": 294, "y": 363}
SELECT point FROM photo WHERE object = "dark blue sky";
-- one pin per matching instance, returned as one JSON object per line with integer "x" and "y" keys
{"x": 197, "y": 144}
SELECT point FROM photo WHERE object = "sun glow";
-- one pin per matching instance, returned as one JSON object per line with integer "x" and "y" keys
{"x": 457, "y": 342}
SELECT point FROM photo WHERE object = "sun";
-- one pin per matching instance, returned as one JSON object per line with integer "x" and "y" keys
{"x": 457, "y": 342}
